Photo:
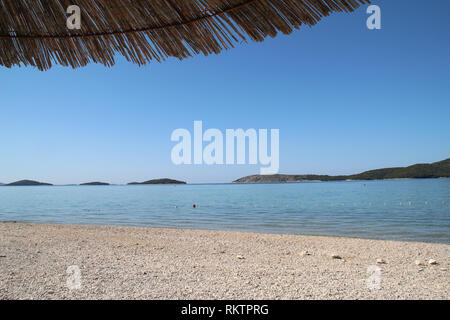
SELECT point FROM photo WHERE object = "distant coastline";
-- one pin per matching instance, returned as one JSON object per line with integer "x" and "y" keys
{"x": 439, "y": 169}
{"x": 27, "y": 183}
{"x": 159, "y": 181}
{"x": 95, "y": 184}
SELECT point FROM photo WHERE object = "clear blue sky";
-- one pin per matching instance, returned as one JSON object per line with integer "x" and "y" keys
{"x": 346, "y": 99}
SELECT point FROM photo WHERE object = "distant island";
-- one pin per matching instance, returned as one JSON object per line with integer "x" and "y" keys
{"x": 94, "y": 184}
{"x": 28, "y": 183}
{"x": 159, "y": 181}
{"x": 439, "y": 169}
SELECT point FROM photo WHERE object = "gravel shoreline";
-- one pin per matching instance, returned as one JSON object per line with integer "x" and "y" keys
{"x": 147, "y": 263}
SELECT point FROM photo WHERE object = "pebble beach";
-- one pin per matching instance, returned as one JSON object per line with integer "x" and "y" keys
{"x": 37, "y": 262}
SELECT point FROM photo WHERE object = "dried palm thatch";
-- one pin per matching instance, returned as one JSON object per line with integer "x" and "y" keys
{"x": 34, "y": 32}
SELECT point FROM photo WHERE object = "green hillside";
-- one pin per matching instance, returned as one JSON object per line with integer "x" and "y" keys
{"x": 439, "y": 169}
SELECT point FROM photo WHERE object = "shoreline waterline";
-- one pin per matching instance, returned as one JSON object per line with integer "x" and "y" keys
{"x": 174, "y": 229}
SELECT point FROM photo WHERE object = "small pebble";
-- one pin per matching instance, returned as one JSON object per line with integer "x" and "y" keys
{"x": 336, "y": 256}
{"x": 240, "y": 257}
{"x": 418, "y": 262}
{"x": 432, "y": 262}
{"x": 381, "y": 261}
{"x": 305, "y": 253}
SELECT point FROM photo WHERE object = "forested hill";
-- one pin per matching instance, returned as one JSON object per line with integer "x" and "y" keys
{"x": 439, "y": 169}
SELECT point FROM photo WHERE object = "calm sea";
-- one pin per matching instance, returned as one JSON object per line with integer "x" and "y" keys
{"x": 416, "y": 210}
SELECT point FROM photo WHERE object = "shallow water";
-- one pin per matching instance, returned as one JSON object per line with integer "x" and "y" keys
{"x": 411, "y": 210}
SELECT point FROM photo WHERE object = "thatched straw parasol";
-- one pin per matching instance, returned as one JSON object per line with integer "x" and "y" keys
{"x": 34, "y": 32}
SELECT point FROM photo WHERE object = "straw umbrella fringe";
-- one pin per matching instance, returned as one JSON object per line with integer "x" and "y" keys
{"x": 34, "y": 32}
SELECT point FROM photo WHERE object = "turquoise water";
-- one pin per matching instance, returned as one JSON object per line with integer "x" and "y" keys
{"x": 417, "y": 210}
